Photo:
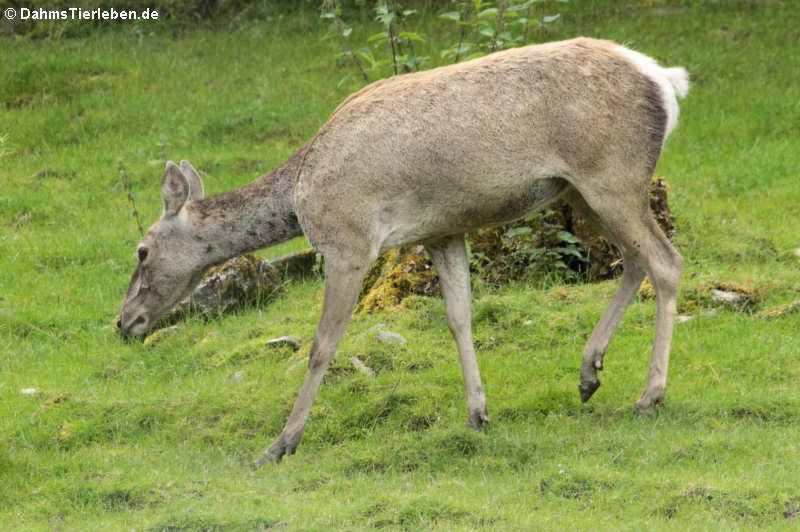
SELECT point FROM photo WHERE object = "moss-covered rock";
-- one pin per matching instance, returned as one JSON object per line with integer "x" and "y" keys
{"x": 738, "y": 296}
{"x": 397, "y": 274}
{"x": 242, "y": 280}
{"x": 779, "y": 311}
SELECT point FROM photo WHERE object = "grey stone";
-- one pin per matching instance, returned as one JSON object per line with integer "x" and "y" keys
{"x": 724, "y": 296}
{"x": 361, "y": 367}
{"x": 389, "y": 337}
{"x": 244, "y": 278}
{"x": 293, "y": 341}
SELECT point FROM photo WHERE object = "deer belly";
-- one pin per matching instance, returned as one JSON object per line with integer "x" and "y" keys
{"x": 439, "y": 215}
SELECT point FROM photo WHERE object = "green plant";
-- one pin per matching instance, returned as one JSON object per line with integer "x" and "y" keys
{"x": 487, "y": 27}
{"x": 551, "y": 247}
{"x": 395, "y": 35}
{"x": 537, "y": 247}
{"x": 400, "y": 40}
{"x": 343, "y": 31}
{"x": 484, "y": 27}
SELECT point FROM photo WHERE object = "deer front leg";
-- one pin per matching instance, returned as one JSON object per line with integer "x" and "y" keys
{"x": 632, "y": 277}
{"x": 450, "y": 258}
{"x": 342, "y": 286}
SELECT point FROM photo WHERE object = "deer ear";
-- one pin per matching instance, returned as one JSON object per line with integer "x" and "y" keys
{"x": 195, "y": 182}
{"x": 174, "y": 189}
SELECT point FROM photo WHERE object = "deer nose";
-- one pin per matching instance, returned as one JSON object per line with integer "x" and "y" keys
{"x": 139, "y": 321}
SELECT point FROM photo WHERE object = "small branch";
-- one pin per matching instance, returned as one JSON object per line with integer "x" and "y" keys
{"x": 349, "y": 46}
{"x": 126, "y": 184}
{"x": 498, "y": 27}
{"x": 464, "y": 15}
{"x": 411, "y": 45}
{"x": 528, "y": 14}
{"x": 392, "y": 37}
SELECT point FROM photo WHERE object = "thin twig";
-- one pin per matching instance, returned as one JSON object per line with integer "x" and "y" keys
{"x": 391, "y": 37}
{"x": 498, "y": 27}
{"x": 464, "y": 15}
{"x": 528, "y": 15}
{"x": 411, "y": 45}
{"x": 126, "y": 184}
{"x": 347, "y": 44}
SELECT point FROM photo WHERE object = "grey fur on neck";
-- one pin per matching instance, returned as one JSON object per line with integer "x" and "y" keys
{"x": 251, "y": 217}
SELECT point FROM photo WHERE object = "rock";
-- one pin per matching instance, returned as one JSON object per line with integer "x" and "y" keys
{"x": 389, "y": 337}
{"x": 243, "y": 279}
{"x": 292, "y": 341}
{"x": 738, "y": 296}
{"x": 781, "y": 310}
{"x": 159, "y": 335}
{"x": 397, "y": 274}
{"x": 55, "y": 400}
{"x": 295, "y": 264}
{"x": 721, "y": 296}
{"x": 257, "y": 347}
{"x": 208, "y": 338}
{"x": 361, "y": 367}
{"x": 233, "y": 283}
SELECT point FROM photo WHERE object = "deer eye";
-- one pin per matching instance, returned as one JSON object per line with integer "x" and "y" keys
{"x": 142, "y": 253}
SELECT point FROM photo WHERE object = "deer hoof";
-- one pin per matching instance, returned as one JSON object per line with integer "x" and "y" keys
{"x": 646, "y": 404}
{"x": 587, "y": 389}
{"x": 267, "y": 456}
{"x": 275, "y": 453}
{"x": 477, "y": 419}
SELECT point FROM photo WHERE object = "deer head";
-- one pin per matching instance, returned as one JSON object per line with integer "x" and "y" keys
{"x": 171, "y": 260}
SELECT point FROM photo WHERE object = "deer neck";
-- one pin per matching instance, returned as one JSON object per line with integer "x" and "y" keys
{"x": 251, "y": 217}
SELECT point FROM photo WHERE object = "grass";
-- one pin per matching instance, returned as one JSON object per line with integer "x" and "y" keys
{"x": 121, "y": 436}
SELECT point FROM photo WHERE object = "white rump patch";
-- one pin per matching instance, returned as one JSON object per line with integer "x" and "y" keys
{"x": 674, "y": 82}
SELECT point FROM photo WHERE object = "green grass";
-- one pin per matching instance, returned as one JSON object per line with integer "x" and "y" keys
{"x": 121, "y": 436}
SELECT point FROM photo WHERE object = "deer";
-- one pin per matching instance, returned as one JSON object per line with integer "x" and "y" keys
{"x": 427, "y": 157}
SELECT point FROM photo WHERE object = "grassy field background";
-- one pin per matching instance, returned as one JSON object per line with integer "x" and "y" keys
{"x": 120, "y": 436}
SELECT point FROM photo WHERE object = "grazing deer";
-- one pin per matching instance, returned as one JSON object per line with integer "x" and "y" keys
{"x": 426, "y": 157}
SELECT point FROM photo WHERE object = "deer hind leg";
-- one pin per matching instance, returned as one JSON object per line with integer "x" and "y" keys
{"x": 632, "y": 277}
{"x": 664, "y": 266}
{"x": 628, "y": 222}
{"x": 450, "y": 258}
{"x": 342, "y": 285}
